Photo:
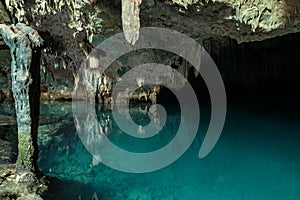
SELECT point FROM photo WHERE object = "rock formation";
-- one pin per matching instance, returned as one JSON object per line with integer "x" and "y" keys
{"x": 72, "y": 28}
{"x": 24, "y": 44}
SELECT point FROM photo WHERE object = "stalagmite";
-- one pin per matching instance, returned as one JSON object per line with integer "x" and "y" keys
{"x": 24, "y": 44}
{"x": 131, "y": 20}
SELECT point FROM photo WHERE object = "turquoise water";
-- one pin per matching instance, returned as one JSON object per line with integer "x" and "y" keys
{"x": 257, "y": 157}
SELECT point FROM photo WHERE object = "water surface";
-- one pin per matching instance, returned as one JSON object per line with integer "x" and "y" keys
{"x": 257, "y": 157}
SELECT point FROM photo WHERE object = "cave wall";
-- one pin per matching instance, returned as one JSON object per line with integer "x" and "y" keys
{"x": 223, "y": 27}
{"x": 265, "y": 66}
{"x": 260, "y": 71}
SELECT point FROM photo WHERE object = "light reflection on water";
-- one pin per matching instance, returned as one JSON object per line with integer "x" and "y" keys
{"x": 257, "y": 157}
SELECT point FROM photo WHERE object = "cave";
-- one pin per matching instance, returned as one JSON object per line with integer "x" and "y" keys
{"x": 149, "y": 99}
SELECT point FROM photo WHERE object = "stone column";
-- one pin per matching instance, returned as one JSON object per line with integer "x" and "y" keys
{"x": 24, "y": 43}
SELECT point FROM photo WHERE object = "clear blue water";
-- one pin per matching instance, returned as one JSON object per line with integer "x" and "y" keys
{"x": 257, "y": 157}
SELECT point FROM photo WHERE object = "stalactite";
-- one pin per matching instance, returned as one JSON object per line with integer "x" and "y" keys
{"x": 184, "y": 69}
{"x": 22, "y": 39}
{"x": 131, "y": 20}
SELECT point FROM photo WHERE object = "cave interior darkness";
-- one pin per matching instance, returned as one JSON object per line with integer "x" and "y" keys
{"x": 264, "y": 72}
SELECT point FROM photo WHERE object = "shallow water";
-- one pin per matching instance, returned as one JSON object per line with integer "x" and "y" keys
{"x": 257, "y": 157}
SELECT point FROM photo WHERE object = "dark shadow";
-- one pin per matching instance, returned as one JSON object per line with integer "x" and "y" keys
{"x": 62, "y": 190}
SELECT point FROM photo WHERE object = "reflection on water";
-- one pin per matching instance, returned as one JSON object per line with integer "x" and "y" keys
{"x": 257, "y": 157}
{"x": 94, "y": 125}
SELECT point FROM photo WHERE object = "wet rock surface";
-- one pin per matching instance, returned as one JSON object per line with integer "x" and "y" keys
{"x": 12, "y": 190}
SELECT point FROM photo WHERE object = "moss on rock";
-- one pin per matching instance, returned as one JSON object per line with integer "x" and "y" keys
{"x": 25, "y": 159}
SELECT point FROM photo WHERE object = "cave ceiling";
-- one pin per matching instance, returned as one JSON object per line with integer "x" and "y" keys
{"x": 242, "y": 20}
